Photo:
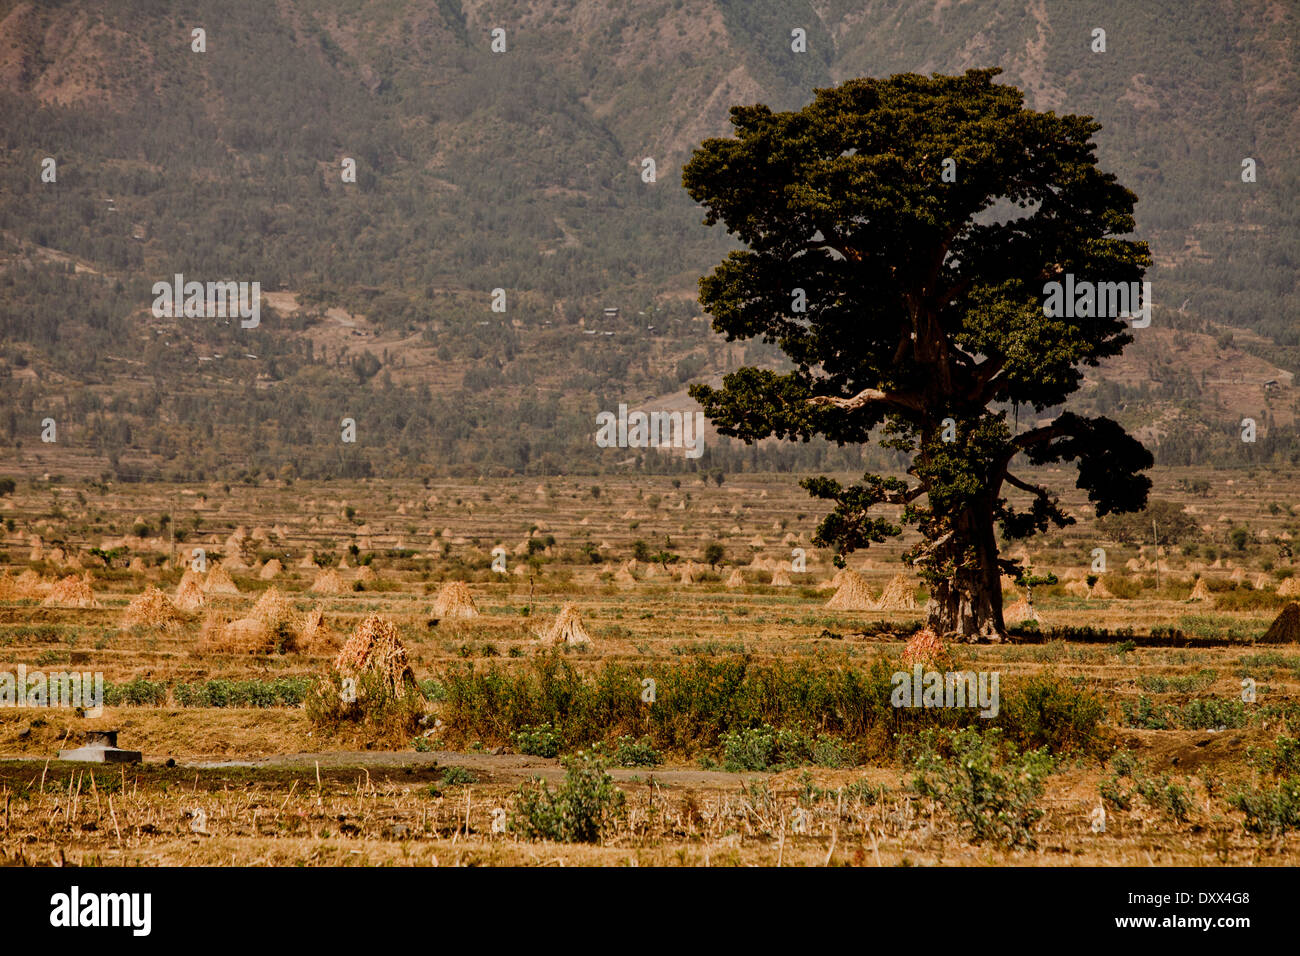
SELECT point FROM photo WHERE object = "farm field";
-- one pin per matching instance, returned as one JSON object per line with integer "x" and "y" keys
{"x": 769, "y": 738}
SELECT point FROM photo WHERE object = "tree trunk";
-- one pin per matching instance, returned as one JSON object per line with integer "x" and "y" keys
{"x": 966, "y": 603}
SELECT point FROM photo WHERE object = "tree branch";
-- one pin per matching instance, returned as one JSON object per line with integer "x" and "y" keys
{"x": 1026, "y": 486}
{"x": 868, "y": 396}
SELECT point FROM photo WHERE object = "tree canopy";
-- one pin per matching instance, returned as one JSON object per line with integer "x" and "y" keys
{"x": 898, "y": 237}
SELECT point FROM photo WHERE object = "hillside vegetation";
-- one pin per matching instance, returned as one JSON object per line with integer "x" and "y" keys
{"x": 523, "y": 171}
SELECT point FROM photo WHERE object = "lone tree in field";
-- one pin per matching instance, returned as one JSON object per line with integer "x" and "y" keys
{"x": 899, "y": 237}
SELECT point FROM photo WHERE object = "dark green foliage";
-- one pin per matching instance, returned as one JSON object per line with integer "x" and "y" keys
{"x": 814, "y": 712}
{"x": 580, "y": 810}
{"x": 985, "y": 783}
{"x": 902, "y": 280}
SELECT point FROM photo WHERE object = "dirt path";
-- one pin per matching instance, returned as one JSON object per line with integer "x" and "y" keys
{"x": 491, "y": 768}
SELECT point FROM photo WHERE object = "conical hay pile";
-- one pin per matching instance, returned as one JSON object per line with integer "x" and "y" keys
{"x": 833, "y": 583}
{"x": 780, "y": 579}
{"x": 899, "y": 595}
{"x": 137, "y": 565}
{"x": 308, "y": 561}
{"x": 651, "y": 571}
{"x": 247, "y": 635}
{"x": 328, "y": 582}
{"x": 71, "y": 591}
{"x": 29, "y": 584}
{"x": 270, "y": 569}
{"x": 1099, "y": 590}
{"x": 736, "y": 580}
{"x": 276, "y": 611}
{"x": 1286, "y": 628}
{"x": 687, "y": 575}
{"x": 624, "y": 577}
{"x": 1288, "y": 588}
{"x": 152, "y": 609}
{"x": 366, "y": 574}
{"x": 315, "y": 636}
{"x": 1262, "y": 581}
{"x": 566, "y": 629}
{"x": 375, "y": 648}
{"x": 927, "y": 649}
{"x": 852, "y": 593}
{"x": 1201, "y": 592}
{"x": 1238, "y": 576}
{"x": 219, "y": 581}
{"x": 454, "y": 601}
{"x": 189, "y": 595}
{"x": 1078, "y": 589}
{"x": 1020, "y": 613}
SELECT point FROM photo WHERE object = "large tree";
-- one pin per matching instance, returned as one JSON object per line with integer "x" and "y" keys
{"x": 898, "y": 238}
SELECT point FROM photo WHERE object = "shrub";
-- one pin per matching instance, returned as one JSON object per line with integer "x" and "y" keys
{"x": 1282, "y": 759}
{"x": 136, "y": 693}
{"x": 627, "y": 751}
{"x": 372, "y": 709}
{"x": 540, "y": 741}
{"x": 280, "y": 692}
{"x": 581, "y": 810}
{"x": 987, "y": 786}
{"x": 1048, "y": 711}
{"x": 456, "y": 777}
{"x": 1269, "y": 811}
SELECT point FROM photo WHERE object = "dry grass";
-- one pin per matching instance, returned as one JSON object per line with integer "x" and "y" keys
{"x": 275, "y": 816}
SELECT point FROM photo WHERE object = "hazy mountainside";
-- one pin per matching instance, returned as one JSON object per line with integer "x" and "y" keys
{"x": 522, "y": 171}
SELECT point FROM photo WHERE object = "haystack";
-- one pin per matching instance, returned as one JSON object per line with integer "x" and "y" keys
{"x": 687, "y": 575}
{"x": 736, "y": 580}
{"x": 153, "y": 609}
{"x": 1099, "y": 590}
{"x": 375, "y": 648}
{"x": 1022, "y": 612}
{"x": 852, "y": 593}
{"x": 315, "y": 636}
{"x": 566, "y": 629}
{"x": 71, "y": 591}
{"x": 270, "y": 569}
{"x": 899, "y": 595}
{"x": 277, "y": 612}
{"x": 780, "y": 579}
{"x": 366, "y": 574}
{"x": 1202, "y": 593}
{"x": 29, "y": 584}
{"x": 1288, "y": 588}
{"x": 219, "y": 581}
{"x": 624, "y": 577}
{"x": 189, "y": 592}
{"x": 1286, "y": 628}
{"x": 927, "y": 649}
{"x": 1078, "y": 589}
{"x": 137, "y": 565}
{"x": 1262, "y": 581}
{"x": 308, "y": 561}
{"x": 246, "y": 635}
{"x": 328, "y": 582}
{"x": 454, "y": 601}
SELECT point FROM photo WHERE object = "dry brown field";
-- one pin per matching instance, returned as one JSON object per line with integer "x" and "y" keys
{"x": 263, "y": 785}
